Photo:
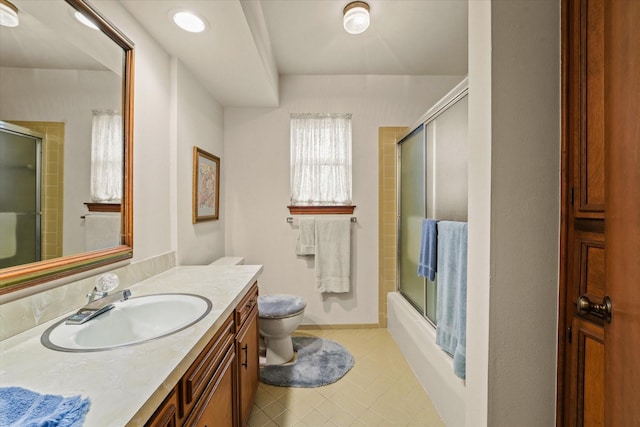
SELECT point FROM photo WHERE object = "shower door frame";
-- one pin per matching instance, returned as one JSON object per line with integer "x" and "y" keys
{"x": 420, "y": 128}
{"x": 38, "y": 138}
{"x": 459, "y": 92}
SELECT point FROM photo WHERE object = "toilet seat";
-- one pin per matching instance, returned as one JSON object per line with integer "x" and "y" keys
{"x": 280, "y": 306}
{"x": 279, "y": 316}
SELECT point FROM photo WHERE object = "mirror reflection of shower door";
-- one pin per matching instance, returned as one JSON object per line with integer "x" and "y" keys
{"x": 411, "y": 211}
{"x": 20, "y": 210}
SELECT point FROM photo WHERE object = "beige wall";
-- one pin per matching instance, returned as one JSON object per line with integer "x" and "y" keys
{"x": 256, "y": 172}
{"x": 173, "y": 112}
{"x": 514, "y": 181}
{"x": 199, "y": 122}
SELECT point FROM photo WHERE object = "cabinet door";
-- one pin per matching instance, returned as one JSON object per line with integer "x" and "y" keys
{"x": 167, "y": 413}
{"x": 215, "y": 407}
{"x": 248, "y": 365}
{"x": 198, "y": 376}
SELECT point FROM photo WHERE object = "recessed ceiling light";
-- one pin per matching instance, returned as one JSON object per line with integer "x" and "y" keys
{"x": 8, "y": 14}
{"x": 85, "y": 21}
{"x": 356, "y": 17}
{"x": 188, "y": 21}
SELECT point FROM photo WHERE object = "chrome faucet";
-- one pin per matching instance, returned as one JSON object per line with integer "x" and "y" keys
{"x": 97, "y": 307}
{"x": 95, "y": 295}
{"x": 99, "y": 300}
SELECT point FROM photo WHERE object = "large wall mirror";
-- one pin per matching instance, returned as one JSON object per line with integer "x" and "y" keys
{"x": 66, "y": 129}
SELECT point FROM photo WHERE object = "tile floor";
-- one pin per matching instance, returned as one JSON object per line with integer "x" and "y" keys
{"x": 380, "y": 390}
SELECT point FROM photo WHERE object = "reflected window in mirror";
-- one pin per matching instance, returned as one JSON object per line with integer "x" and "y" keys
{"x": 106, "y": 157}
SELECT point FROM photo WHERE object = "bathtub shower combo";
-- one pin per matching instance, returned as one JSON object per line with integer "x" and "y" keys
{"x": 427, "y": 315}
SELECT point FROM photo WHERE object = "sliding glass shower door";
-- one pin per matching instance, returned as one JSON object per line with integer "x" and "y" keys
{"x": 432, "y": 183}
{"x": 20, "y": 216}
{"x": 411, "y": 211}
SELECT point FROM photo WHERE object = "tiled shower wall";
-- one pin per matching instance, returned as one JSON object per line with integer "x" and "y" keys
{"x": 387, "y": 188}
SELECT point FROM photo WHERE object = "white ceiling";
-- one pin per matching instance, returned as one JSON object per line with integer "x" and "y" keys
{"x": 49, "y": 37}
{"x": 249, "y": 43}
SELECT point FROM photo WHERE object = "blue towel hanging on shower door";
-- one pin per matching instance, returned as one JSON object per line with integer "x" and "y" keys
{"x": 428, "y": 249}
{"x": 451, "y": 310}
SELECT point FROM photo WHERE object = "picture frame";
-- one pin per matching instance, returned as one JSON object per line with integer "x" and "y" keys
{"x": 206, "y": 186}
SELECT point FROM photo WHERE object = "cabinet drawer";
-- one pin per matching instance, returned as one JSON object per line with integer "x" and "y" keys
{"x": 243, "y": 309}
{"x": 199, "y": 374}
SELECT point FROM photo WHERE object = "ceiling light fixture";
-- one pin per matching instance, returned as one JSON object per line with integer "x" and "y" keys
{"x": 84, "y": 20}
{"x": 188, "y": 21}
{"x": 8, "y": 14}
{"x": 356, "y": 17}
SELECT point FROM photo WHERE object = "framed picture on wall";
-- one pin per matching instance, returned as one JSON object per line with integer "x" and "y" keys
{"x": 206, "y": 186}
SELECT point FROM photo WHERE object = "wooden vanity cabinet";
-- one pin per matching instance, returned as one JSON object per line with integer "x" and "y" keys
{"x": 204, "y": 396}
{"x": 219, "y": 388}
{"x": 247, "y": 354}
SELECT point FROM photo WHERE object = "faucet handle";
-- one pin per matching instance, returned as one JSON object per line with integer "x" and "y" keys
{"x": 107, "y": 282}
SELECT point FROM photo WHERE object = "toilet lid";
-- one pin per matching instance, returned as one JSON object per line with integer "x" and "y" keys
{"x": 282, "y": 305}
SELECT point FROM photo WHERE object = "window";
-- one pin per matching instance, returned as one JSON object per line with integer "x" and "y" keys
{"x": 106, "y": 157}
{"x": 321, "y": 159}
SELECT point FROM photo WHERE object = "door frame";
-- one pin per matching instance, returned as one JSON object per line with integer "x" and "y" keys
{"x": 564, "y": 214}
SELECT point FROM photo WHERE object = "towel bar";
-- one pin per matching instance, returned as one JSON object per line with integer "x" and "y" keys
{"x": 290, "y": 219}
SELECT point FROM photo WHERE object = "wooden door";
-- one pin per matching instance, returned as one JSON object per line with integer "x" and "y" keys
{"x": 622, "y": 234}
{"x": 597, "y": 368}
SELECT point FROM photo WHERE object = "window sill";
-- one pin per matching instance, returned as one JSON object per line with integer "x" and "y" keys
{"x": 103, "y": 207}
{"x": 321, "y": 210}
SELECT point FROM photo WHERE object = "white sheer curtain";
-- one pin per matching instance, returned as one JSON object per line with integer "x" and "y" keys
{"x": 320, "y": 159}
{"x": 106, "y": 156}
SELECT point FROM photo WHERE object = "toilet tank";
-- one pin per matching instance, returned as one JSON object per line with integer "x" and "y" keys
{"x": 228, "y": 260}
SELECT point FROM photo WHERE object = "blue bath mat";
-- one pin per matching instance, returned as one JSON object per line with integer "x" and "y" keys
{"x": 22, "y": 407}
{"x": 319, "y": 362}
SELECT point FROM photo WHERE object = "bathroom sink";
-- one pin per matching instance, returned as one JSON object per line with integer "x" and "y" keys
{"x": 133, "y": 321}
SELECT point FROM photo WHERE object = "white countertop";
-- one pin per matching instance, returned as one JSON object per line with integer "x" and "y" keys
{"x": 126, "y": 385}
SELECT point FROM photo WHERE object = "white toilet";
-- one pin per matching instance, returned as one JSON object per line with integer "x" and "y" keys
{"x": 278, "y": 316}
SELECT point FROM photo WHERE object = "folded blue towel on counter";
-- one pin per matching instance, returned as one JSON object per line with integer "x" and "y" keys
{"x": 428, "y": 249}
{"x": 26, "y": 408}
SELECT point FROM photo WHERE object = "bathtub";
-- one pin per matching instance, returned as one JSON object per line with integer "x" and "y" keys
{"x": 433, "y": 367}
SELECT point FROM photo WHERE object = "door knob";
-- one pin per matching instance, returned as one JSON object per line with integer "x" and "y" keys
{"x": 585, "y": 306}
